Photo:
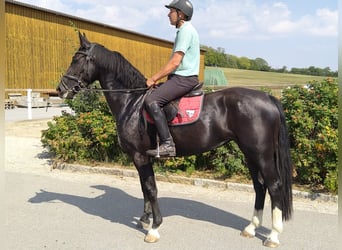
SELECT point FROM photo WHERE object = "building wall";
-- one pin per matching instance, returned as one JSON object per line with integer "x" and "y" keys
{"x": 40, "y": 45}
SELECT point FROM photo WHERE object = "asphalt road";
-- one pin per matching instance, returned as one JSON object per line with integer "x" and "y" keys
{"x": 53, "y": 209}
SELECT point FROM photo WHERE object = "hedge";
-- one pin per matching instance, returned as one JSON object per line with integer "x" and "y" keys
{"x": 312, "y": 118}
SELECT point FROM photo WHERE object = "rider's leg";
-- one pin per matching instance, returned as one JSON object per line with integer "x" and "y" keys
{"x": 174, "y": 87}
{"x": 167, "y": 147}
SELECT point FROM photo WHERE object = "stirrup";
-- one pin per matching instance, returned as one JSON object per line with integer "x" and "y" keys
{"x": 158, "y": 149}
{"x": 157, "y": 152}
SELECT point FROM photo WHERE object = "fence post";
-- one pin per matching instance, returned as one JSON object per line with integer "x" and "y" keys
{"x": 29, "y": 104}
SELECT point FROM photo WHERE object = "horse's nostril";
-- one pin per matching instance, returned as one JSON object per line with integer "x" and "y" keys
{"x": 77, "y": 89}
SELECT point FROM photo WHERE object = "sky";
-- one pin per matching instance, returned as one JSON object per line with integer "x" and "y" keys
{"x": 291, "y": 33}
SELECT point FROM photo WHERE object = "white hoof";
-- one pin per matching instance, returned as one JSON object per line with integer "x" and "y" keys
{"x": 270, "y": 243}
{"x": 246, "y": 234}
{"x": 152, "y": 236}
{"x": 249, "y": 231}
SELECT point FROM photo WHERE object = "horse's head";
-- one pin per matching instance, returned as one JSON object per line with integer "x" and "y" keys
{"x": 81, "y": 71}
{"x": 44, "y": 196}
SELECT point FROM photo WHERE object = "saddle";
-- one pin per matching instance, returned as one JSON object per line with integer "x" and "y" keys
{"x": 184, "y": 110}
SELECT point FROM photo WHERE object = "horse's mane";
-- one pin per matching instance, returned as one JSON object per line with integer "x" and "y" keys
{"x": 124, "y": 71}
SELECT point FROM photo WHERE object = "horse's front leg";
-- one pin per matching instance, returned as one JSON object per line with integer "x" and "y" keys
{"x": 145, "y": 218}
{"x": 149, "y": 189}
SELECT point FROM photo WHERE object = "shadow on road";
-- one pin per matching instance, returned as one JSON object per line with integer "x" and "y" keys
{"x": 117, "y": 206}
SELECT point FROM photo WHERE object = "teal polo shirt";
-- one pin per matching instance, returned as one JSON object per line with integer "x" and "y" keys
{"x": 187, "y": 41}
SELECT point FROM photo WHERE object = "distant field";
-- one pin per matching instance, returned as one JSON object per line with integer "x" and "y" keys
{"x": 250, "y": 78}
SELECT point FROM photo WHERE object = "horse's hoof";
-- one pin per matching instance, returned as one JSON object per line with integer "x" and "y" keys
{"x": 270, "y": 243}
{"x": 246, "y": 234}
{"x": 152, "y": 236}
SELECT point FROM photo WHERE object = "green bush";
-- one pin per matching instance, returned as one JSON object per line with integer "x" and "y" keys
{"x": 64, "y": 139}
{"x": 222, "y": 162}
{"x": 312, "y": 118}
{"x": 88, "y": 135}
{"x": 88, "y": 101}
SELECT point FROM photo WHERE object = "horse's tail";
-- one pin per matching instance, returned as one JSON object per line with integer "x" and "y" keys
{"x": 284, "y": 163}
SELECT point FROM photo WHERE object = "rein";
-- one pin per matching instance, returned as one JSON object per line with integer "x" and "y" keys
{"x": 82, "y": 87}
{"x": 116, "y": 90}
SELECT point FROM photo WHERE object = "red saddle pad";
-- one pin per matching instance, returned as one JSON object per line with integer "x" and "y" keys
{"x": 189, "y": 109}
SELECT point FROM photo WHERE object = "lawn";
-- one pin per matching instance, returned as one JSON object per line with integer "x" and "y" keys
{"x": 260, "y": 80}
{"x": 250, "y": 78}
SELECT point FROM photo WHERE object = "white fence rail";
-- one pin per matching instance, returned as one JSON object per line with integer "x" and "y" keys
{"x": 31, "y": 99}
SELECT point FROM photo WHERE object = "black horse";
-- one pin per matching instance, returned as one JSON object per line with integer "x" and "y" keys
{"x": 253, "y": 119}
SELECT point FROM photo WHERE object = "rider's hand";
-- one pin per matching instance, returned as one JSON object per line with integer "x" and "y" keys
{"x": 150, "y": 82}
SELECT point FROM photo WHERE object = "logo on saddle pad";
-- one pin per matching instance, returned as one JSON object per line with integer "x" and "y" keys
{"x": 189, "y": 109}
{"x": 190, "y": 113}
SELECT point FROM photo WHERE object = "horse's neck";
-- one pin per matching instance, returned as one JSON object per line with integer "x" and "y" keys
{"x": 122, "y": 104}
{"x": 121, "y": 71}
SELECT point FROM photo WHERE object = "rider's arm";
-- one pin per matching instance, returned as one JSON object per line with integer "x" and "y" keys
{"x": 171, "y": 66}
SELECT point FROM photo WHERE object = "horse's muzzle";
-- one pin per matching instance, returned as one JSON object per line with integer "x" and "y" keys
{"x": 64, "y": 93}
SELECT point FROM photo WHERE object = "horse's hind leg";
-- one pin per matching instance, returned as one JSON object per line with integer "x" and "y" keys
{"x": 265, "y": 177}
{"x": 260, "y": 193}
{"x": 274, "y": 188}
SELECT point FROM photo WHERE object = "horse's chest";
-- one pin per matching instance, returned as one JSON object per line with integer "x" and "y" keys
{"x": 128, "y": 135}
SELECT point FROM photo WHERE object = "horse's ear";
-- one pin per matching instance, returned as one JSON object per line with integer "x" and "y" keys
{"x": 83, "y": 40}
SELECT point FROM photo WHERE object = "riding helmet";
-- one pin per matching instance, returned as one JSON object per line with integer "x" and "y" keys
{"x": 183, "y": 5}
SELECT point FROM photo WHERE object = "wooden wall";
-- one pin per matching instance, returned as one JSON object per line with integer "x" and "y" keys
{"x": 40, "y": 45}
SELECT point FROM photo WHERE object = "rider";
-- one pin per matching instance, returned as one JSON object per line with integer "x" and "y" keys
{"x": 181, "y": 70}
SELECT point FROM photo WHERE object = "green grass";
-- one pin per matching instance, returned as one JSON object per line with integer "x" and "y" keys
{"x": 250, "y": 78}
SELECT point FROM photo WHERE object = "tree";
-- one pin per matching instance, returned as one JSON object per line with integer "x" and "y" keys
{"x": 218, "y": 57}
{"x": 232, "y": 61}
{"x": 259, "y": 64}
{"x": 221, "y": 57}
{"x": 215, "y": 57}
{"x": 210, "y": 57}
{"x": 283, "y": 69}
{"x": 244, "y": 63}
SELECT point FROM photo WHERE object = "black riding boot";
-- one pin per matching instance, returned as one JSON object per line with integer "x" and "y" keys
{"x": 167, "y": 146}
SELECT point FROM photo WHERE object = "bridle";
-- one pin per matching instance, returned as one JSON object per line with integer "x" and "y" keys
{"x": 82, "y": 86}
